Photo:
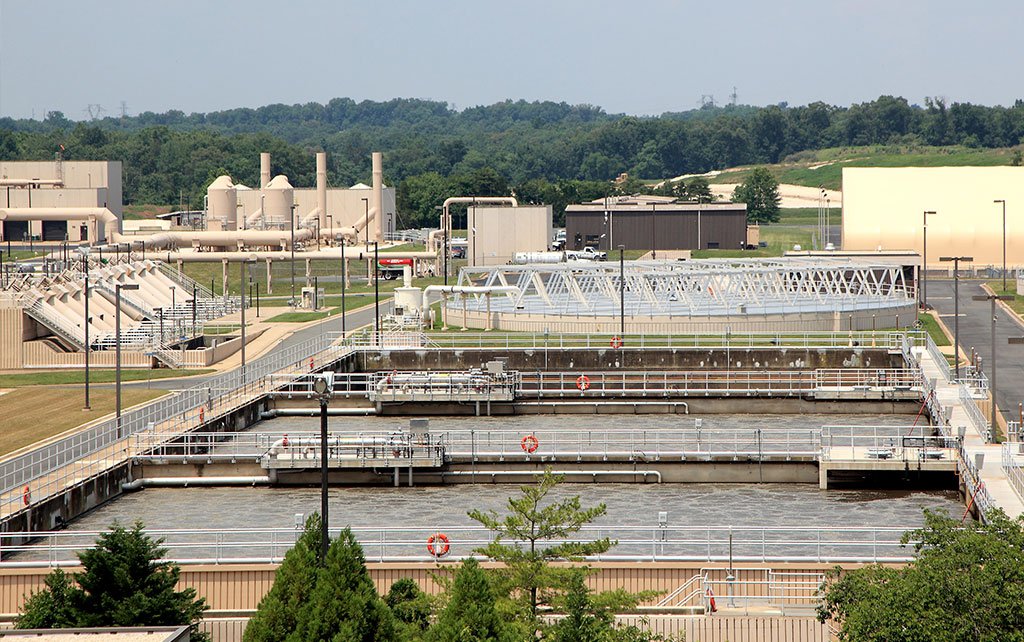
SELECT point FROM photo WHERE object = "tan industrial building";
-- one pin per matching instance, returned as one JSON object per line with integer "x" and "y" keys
{"x": 59, "y": 200}
{"x": 883, "y": 208}
{"x": 496, "y": 234}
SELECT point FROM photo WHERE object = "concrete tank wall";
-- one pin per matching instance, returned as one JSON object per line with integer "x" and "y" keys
{"x": 278, "y": 200}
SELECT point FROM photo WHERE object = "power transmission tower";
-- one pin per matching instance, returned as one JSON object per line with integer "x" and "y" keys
{"x": 707, "y": 101}
{"x": 732, "y": 96}
{"x": 94, "y": 110}
{"x": 124, "y": 110}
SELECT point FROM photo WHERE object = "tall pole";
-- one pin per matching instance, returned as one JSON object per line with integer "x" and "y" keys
{"x": 343, "y": 280}
{"x": 193, "y": 309}
{"x": 994, "y": 385}
{"x": 376, "y": 297}
{"x": 324, "y": 538}
{"x": 622, "y": 292}
{"x": 924, "y": 261}
{"x": 956, "y": 307}
{"x": 293, "y": 257}
{"x": 85, "y": 260}
{"x": 1003, "y": 201}
{"x": 241, "y": 289}
{"x": 117, "y": 351}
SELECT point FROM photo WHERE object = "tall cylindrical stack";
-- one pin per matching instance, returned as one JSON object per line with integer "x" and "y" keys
{"x": 377, "y": 195}
{"x": 264, "y": 169}
{"x": 321, "y": 187}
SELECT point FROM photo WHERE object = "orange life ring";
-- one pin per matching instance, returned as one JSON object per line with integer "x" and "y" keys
{"x": 583, "y": 382}
{"x": 284, "y": 441}
{"x": 311, "y": 363}
{"x": 529, "y": 443}
{"x": 437, "y": 545}
{"x": 616, "y": 342}
{"x": 26, "y": 496}
{"x": 202, "y": 414}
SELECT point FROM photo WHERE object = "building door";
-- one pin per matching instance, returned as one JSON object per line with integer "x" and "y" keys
{"x": 55, "y": 230}
{"x": 15, "y": 231}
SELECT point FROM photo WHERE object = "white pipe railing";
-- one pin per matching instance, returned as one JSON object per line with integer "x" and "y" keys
{"x": 748, "y": 544}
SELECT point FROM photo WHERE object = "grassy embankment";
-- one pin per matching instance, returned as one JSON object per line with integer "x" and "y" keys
{"x": 69, "y": 377}
{"x": 33, "y": 413}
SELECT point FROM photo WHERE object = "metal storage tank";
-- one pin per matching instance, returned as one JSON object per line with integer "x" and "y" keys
{"x": 222, "y": 202}
{"x": 278, "y": 199}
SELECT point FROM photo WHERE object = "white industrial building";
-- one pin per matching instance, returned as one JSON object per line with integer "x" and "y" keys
{"x": 884, "y": 209}
{"x": 59, "y": 200}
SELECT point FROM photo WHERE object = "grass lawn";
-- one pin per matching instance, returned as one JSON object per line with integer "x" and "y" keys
{"x": 62, "y": 377}
{"x": 780, "y": 238}
{"x": 20, "y": 255}
{"x": 929, "y": 324}
{"x": 32, "y": 414}
{"x": 825, "y": 166}
{"x": 1017, "y": 303}
{"x": 351, "y": 303}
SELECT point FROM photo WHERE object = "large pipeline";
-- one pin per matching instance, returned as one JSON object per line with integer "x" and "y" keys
{"x": 446, "y": 220}
{"x": 226, "y": 238}
{"x": 244, "y": 256}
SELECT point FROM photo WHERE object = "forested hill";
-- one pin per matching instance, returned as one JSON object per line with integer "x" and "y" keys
{"x": 431, "y": 149}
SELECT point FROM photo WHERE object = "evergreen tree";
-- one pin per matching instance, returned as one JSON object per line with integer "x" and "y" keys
{"x": 761, "y": 194}
{"x": 121, "y": 584}
{"x": 590, "y": 617}
{"x": 536, "y": 529}
{"x": 409, "y": 605}
{"x": 344, "y": 605}
{"x": 471, "y": 614}
{"x": 276, "y": 616}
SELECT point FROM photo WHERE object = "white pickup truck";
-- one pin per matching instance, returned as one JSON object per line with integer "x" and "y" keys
{"x": 586, "y": 254}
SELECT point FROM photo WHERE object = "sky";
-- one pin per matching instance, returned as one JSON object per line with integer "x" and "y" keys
{"x": 640, "y": 57}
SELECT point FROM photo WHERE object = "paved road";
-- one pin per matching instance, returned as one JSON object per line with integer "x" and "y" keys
{"x": 976, "y": 332}
{"x": 353, "y": 320}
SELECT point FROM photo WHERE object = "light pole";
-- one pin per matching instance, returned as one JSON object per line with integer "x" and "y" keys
{"x": 444, "y": 242}
{"x": 243, "y": 265}
{"x": 622, "y": 292}
{"x": 294, "y": 205}
{"x": 85, "y": 259}
{"x": 322, "y": 386}
{"x": 924, "y": 260}
{"x": 376, "y": 296}
{"x": 343, "y": 281}
{"x": 1003, "y": 202}
{"x": 117, "y": 350}
{"x": 993, "y": 298}
{"x": 956, "y": 307}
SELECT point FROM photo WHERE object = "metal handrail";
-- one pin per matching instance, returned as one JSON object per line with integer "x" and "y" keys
{"x": 1013, "y": 467}
{"x": 633, "y": 543}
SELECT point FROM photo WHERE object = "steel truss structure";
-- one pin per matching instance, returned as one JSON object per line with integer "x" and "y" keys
{"x": 700, "y": 288}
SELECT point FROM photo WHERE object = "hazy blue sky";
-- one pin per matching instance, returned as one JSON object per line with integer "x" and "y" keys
{"x": 639, "y": 57}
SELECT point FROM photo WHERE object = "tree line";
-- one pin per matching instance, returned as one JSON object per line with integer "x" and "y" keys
{"x": 529, "y": 145}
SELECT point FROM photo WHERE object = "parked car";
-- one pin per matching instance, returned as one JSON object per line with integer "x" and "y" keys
{"x": 586, "y": 254}
{"x": 458, "y": 252}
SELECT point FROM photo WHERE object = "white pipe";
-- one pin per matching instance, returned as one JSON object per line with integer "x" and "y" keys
{"x": 264, "y": 169}
{"x": 57, "y": 214}
{"x": 195, "y": 481}
{"x": 243, "y": 255}
{"x": 466, "y": 289}
{"x": 377, "y": 196}
{"x": 304, "y": 442}
{"x": 252, "y": 218}
{"x": 321, "y": 188}
{"x": 315, "y": 412}
{"x": 314, "y": 214}
{"x": 533, "y": 473}
{"x": 344, "y": 232}
{"x": 25, "y": 182}
{"x": 226, "y": 238}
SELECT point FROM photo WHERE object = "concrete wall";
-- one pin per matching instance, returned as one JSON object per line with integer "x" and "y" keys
{"x": 884, "y": 207}
{"x": 901, "y": 316}
{"x": 503, "y": 231}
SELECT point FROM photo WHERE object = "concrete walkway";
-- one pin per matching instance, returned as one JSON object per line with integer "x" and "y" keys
{"x": 995, "y": 480}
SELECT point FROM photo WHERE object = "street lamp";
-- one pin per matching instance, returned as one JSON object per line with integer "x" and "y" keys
{"x": 241, "y": 283}
{"x": 376, "y": 295}
{"x": 294, "y": 205}
{"x": 85, "y": 260}
{"x": 924, "y": 260}
{"x": 1003, "y": 201}
{"x": 622, "y": 292}
{"x": 322, "y": 385}
{"x": 117, "y": 350}
{"x": 343, "y": 281}
{"x": 993, "y": 298}
{"x": 956, "y": 306}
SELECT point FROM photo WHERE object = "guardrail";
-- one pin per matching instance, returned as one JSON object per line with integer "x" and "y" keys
{"x": 884, "y": 443}
{"x": 974, "y": 486}
{"x": 978, "y": 420}
{"x": 746, "y": 544}
{"x": 540, "y": 341}
{"x": 1013, "y": 467}
{"x": 50, "y": 468}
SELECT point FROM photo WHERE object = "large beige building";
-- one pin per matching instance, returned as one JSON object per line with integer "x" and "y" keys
{"x": 71, "y": 187}
{"x": 884, "y": 208}
{"x": 496, "y": 234}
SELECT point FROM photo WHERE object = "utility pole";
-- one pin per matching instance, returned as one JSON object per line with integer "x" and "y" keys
{"x": 956, "y": 307}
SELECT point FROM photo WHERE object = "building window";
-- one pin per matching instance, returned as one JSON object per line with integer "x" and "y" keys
{"x": 712, "y": 245}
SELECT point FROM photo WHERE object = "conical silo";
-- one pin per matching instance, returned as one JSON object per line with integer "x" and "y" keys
{"x": 222, "y": 202}
{"x": 277, "y": 202}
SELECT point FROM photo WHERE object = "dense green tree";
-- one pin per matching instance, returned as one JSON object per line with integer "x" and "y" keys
{"x": 965, "y": 584}
{"x": 410, "y": 606}
{"x": 277, "y": 614}
{"x": 344, "y": 605}
{"x": 533, "y": 533}
{"x": 590, "y": 617}
{"x": 122, "y": 583}
{"x": 760, "y": 191}
{"x": 471, "y": 614}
